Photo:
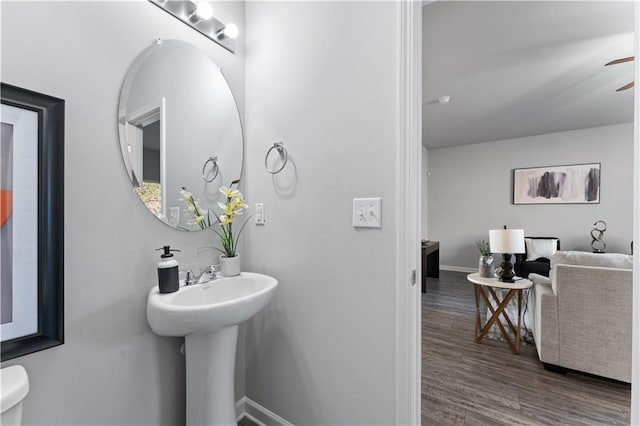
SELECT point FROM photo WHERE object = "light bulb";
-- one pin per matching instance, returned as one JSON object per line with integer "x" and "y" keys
{"x": 231, "y": 31}
{"x": 204, "y": 10}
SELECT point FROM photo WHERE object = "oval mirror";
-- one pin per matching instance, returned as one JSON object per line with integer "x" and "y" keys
{"x": 179, "y": 129}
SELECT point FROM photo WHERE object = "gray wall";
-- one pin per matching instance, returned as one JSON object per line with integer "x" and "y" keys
{"x": 424, "y": 182}
{"x": 112, "y": 370}
{"x": 322, "y": 77}
{"x": 470, "y": 191}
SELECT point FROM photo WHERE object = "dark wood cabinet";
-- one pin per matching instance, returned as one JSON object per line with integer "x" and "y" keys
{"x": 430, "y": 261}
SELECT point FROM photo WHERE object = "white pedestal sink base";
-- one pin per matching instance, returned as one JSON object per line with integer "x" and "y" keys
{"x": 210, "y": 366}
{"x": 207, "y": 315}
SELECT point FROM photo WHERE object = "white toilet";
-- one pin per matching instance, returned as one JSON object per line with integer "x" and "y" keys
{"x": 14, "y": 386}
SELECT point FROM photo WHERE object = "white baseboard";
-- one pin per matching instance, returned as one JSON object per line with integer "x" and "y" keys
{"x": 258, "y": 414}
{"x": 458, "y": 269}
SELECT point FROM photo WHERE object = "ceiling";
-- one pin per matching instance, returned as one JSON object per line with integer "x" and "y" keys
{"x": 515, "y": 68}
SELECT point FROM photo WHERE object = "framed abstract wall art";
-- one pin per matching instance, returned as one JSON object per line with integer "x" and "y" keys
{"x": 572, "y": 184}
{"x": 31, "y": 221}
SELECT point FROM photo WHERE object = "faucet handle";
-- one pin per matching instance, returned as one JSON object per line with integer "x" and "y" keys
{"x": 189, "y": 278}
{"x": 208, "y": 274}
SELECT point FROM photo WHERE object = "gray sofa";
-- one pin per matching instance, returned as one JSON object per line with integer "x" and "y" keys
{"x": 582, "y": 313}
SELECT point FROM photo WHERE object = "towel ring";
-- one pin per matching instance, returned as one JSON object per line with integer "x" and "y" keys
{"x": 214, "y": 162}
{"x": 278, "y": 146}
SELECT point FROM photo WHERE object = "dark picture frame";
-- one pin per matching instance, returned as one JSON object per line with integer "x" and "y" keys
{"x": 565, "y": 184}
{"x": 50, "y": 221}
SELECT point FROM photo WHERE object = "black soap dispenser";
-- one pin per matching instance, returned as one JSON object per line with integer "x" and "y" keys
{"x": 168, "y": 281}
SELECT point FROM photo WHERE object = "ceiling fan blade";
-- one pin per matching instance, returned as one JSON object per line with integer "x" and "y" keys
{"x": 625, "y": 87}
{"x": 620, "y": 61}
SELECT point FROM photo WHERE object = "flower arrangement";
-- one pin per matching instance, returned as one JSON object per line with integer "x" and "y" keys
{"x": 484, "y": 248}
{"x": 194, "y": 208}
{"x": 231, "y": 209}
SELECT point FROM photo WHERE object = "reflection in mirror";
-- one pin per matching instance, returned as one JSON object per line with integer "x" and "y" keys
{"x": 179, "y": 128}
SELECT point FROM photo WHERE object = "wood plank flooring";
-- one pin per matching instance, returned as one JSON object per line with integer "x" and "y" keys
{"x": 465, "y": 383}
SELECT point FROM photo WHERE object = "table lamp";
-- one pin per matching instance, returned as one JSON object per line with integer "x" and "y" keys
{"x": 507, "y": 242}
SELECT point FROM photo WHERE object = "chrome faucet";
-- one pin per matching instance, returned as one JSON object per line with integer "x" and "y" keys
{"x": 208, "y": 274}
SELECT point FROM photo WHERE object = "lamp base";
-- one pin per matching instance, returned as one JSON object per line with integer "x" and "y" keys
{"x": 506, "y": 273}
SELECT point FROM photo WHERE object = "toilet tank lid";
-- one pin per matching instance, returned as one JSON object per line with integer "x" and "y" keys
{"x": 14, "y": 386}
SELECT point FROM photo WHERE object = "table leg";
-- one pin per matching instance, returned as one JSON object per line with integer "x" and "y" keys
{"x": 476, "y": 289}
{"x": 433, "y": 264}
{"x": 504, "y": 313}
{"x": 495, "y": 318}
{"x": 519, "y": 321}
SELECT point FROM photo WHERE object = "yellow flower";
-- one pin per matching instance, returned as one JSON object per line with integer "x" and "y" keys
{"x": 197, "y": 220}
{"x": 239, "y": 203}
{"x": 230, "y": 193}
{"x": 226, "y": 220}
{"x": 227, "y": 208}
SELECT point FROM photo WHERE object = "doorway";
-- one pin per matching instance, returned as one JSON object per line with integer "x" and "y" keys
{"x": 635, "y": 232}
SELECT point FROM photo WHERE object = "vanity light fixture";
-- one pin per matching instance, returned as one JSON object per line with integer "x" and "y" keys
{"x": 198, "y": 14}
{"x": 444, "y": 99}
{"x": 228, "y": 31}
{"x": 203, "y": 11}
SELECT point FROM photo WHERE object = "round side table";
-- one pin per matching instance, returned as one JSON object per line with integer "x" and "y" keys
{"x": 485, "y": 287}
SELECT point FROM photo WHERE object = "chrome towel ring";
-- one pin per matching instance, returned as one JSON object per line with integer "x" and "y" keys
{"x": 214, "y": 167}
{"x": 278, "y": 146}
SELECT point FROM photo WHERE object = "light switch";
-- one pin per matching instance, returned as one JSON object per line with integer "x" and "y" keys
{"x": 174, "y": 216}
{"x": 259, "y": 209}
{"x": 366, "y": 212}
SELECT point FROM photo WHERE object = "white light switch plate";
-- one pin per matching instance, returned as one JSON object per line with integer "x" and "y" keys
{"x": 174, "y": 216}
{"x": 259, "y": 209}
{"x": 366, "y": 212}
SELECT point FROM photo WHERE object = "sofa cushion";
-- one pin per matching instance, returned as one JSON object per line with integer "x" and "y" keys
{"x": 537, "y": 248}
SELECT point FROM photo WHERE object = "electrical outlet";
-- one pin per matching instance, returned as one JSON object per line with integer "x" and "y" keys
{"x": 367, "y": 212}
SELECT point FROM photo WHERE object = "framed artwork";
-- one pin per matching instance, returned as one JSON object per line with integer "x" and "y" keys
{"x": 31, "y": 221}
{"x": 573, "y": 184}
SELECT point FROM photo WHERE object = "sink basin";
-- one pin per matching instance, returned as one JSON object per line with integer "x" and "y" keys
{"x": 206, "y": 307}
{"x": 207, "y": 316}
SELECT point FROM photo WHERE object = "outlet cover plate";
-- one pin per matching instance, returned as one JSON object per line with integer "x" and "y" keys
{"x": 367, "y": 212}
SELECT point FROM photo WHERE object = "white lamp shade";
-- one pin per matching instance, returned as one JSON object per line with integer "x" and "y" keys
{"x": 506, "y": 240}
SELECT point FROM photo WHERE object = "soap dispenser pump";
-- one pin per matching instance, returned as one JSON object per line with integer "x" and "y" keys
{"x": 168, "y": 281}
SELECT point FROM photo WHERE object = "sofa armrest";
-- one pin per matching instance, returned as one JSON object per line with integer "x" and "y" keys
{"x": 539, "y": 279}
{"x": 546, "y": 332}
{"x": 594, "y": 305}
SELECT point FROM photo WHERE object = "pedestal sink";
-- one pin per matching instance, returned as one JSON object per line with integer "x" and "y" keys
{"x": 207, "y": 315}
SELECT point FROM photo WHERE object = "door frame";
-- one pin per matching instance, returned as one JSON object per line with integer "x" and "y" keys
{"x": 635, "y": 356}
{"x": 143, "y": 117}
{"x": 408, "y": 166}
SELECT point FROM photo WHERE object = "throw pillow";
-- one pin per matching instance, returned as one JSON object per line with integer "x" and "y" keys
{"x": 537, "y": 248}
